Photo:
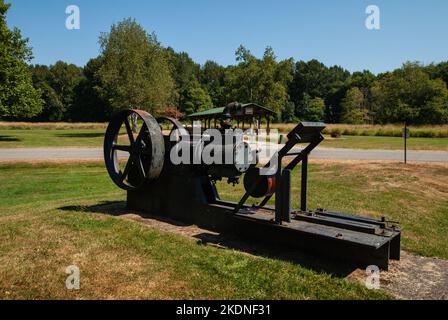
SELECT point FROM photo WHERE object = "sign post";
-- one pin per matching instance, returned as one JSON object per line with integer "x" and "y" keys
{"x": 406, "y": 135}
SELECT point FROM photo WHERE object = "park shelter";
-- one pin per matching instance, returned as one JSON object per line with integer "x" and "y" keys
{"x": 247, "y": 115}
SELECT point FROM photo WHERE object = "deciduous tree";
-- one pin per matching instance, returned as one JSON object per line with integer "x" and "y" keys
{"x": 212, "y": 78}
{"x": 353, "y": 107}
{"x": 135, "y": 70}
{"x": 18, "y": 98}
{"x": 195, "y": 98}
{"x": 263, "y": 81}
{"x": 313, "y": 108}
{"x": 409, "y": 94}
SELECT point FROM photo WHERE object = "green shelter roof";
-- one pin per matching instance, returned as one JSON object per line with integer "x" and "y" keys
{"x": 206, "y": 113}
{"x": 217, "y": 111}
{"x": 244, "y": 105}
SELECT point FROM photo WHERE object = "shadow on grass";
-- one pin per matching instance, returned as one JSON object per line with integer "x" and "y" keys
{"x": 9, "y": 139}
{"x": 226, "y": 241}
{"x": 118, "y": 208}
{"x": 80, "y": 135}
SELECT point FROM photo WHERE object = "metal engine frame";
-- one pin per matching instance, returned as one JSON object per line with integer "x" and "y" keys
{"x": 183, "y": 193}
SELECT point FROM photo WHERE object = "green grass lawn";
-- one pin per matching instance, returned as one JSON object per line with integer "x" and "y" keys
{"x": 13, "y": 138}
{"x": 40, "y": 237}
{"x": 42, "y": 231}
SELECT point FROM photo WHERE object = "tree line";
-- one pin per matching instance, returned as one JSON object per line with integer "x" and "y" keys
{"x": 133, "y": 70}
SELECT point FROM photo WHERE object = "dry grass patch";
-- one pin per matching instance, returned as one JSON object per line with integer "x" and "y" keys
{"x": 388, "y": 130}
{"x": 122, "y": 259}
{"x": 416, "y": 195}
{"x": 386, "y": 175}
{"x": 51, "y": 125}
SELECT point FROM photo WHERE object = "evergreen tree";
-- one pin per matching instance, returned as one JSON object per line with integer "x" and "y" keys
{"x": 89, "y": 103}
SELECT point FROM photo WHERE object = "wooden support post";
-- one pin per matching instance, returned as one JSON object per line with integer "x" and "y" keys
{"x": 268, "y": 119}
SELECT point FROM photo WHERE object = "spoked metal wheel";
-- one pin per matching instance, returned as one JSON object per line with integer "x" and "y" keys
{"x": 172, "y": 128}
{"x": 134, "y": 149}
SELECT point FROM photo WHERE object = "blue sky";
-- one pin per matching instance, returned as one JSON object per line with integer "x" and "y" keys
{"x": 331, "y": 31}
